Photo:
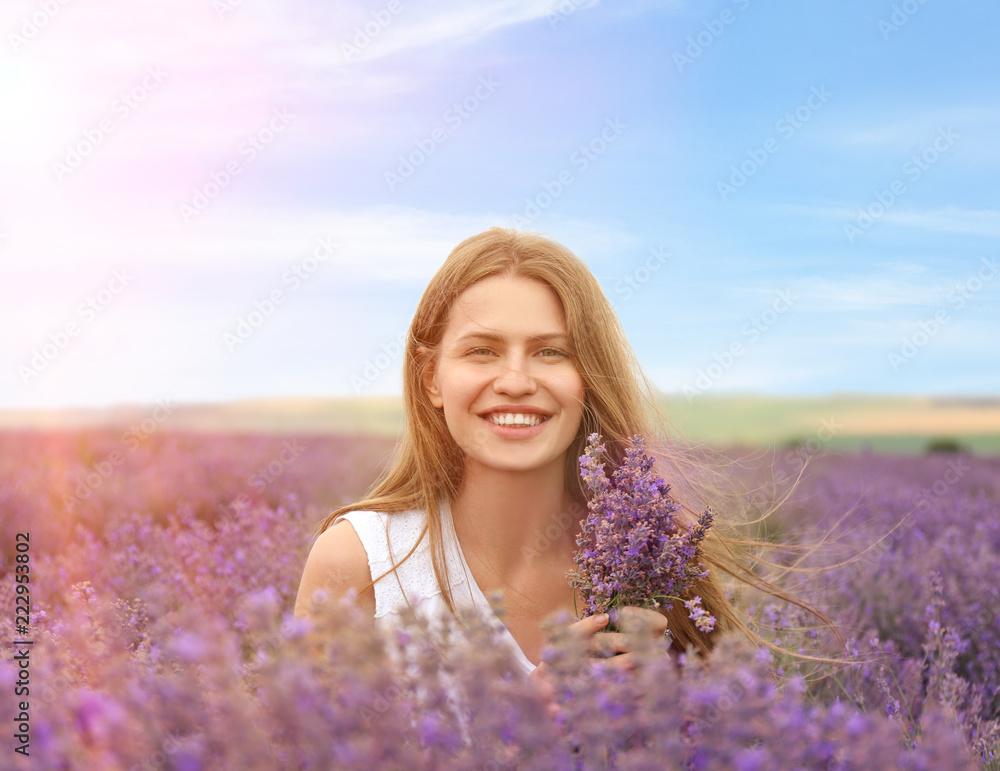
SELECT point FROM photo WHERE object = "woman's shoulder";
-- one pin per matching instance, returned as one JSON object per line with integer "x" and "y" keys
{"x": 336, "y": 563}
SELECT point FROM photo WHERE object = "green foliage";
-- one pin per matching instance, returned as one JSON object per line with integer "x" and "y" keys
{"x": 944, "y": 444}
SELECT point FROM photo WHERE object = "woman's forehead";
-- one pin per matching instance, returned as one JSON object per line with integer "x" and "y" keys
{"x": 517, "y": 307}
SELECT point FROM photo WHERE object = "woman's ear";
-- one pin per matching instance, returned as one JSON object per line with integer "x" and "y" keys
{"x": 433, "y": 392}
{"x": 429, "y": 377}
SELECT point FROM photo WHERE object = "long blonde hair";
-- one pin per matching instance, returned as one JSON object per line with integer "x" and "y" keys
{"x": 620, "y": 403}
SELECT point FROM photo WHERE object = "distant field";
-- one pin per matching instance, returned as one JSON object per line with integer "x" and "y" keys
{"x": 838, "y": 422}
{"x": 848, "y": 422}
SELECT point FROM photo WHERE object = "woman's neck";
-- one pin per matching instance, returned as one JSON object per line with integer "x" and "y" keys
{"x": 516, "y": 520}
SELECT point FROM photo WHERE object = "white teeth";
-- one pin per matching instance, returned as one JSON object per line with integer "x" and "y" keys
{"x": 515, "y": 419}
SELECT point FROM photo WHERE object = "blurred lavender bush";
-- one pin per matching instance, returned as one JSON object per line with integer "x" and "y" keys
{"x": 164, "y": 636}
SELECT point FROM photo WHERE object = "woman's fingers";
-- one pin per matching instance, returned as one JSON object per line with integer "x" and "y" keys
{"x": 598, "y": 642}
{"x": 621, "y": 661}
{"x": 615, "y": 646}
{"x": 613, "y": 653}
{"x": 642, "y": 621}
{"x": 608, "y": 644}
{"x": 541, "y": 679}
{"x": 588, "y": 626}
{"x": 593, "y": 624}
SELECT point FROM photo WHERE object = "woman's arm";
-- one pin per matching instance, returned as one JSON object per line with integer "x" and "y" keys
{"x": 336, "y": 563}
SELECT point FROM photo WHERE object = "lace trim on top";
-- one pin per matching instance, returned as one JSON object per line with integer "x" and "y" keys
{"x": 388, "y": 538}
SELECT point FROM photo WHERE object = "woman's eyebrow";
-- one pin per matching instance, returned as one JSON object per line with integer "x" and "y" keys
{"x": 499, "y": 337}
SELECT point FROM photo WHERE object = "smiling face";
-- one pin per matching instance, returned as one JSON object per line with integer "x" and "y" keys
{"x": 506, "y": 350}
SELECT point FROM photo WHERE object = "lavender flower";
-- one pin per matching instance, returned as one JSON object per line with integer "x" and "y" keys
{"x": 699, "y": 615}
{"x": 633, "y": 550}
{"x": 157, "y": 646}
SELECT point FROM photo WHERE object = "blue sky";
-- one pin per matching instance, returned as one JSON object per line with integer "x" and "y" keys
{"x": 778, "y": 198}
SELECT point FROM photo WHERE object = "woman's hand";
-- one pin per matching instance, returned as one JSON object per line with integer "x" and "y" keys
{"x": 634, "y": 623}
{"x": 584, "y": 631}
{"x": 607, "y": 648}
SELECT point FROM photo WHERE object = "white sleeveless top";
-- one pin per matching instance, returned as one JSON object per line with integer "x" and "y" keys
{"x": 389, "y": 537}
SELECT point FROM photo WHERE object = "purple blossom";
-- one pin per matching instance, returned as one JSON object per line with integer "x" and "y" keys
{"x": 118, "y": 584}
{"x": 699, "y": 615}
{"x": 633, "y": 550}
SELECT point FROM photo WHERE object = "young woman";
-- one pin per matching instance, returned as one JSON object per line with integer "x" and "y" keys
{"x": 513, "y": 358}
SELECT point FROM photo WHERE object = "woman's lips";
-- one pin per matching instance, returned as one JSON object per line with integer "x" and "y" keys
{"x": 514, "y": 431}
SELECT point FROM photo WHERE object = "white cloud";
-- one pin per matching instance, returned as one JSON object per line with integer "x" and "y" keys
{"x": 453, "y": 24}
{"x": 165, "y": 331}
{"x": 912, "y": 129}
{"x": 946, "y": 219}
{"x": 949, "y": 219}
{"x": 876, "y": 291}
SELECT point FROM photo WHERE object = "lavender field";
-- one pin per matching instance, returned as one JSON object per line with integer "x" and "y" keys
{"x": 161, "y": 572}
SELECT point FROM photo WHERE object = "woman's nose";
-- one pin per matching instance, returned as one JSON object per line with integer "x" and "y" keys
{"x": 514, "y": 377}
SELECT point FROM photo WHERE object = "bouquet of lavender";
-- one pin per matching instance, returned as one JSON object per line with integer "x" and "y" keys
{"x": 633, "y": 550}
